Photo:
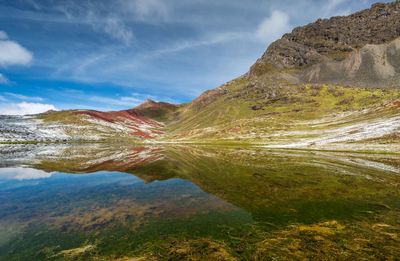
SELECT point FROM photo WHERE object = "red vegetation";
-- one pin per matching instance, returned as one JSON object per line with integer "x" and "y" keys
{"x": 140, "y": 126}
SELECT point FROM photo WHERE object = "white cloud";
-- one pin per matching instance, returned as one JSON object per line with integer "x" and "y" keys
{"x": 122, "y": 101}
{"x": 24, "y": 108}
{"x": 112, "y": 26}
{"x": 22, "y": 174}
{"x": 273, "y": 27}
{"x": 333, "y": 8}
{"x": 3, "y": 35}
{"x": 12, "y": 53}
{"x": 3, "y": 79}
{"x": 210, "y": 40}
{"x": 148, "y": 9}
{"x": 23, "y": 97}
{"x": 101, "y": 18}
{"x": 117, "y": 30}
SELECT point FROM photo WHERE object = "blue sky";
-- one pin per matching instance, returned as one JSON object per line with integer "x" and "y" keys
{"x": 113, "y": 54}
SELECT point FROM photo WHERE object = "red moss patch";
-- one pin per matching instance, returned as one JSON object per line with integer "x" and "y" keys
{"x": 130, "y": 119}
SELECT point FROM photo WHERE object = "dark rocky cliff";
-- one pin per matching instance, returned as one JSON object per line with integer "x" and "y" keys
{"x": 334, "y": 38}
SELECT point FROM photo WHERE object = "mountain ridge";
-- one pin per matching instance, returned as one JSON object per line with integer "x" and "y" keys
{"x": 316, "y": 41}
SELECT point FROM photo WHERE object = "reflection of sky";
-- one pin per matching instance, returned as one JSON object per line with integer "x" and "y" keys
{"x": 23, "y": 174}
{"x": 20, "y": 177}
{"x": 30, "y": 191}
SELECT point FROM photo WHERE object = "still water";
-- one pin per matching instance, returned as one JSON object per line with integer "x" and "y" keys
{"x": 98, "y": 202}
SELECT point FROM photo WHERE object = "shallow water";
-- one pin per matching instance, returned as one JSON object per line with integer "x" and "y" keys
{"x": 96, "y": 202}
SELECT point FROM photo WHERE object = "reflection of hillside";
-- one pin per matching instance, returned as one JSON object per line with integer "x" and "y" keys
{"x": 110, "y": 159}
{"x": 85, "y": 158}
{"x": 274, "y": 185}
{"x": 278, "y": 186}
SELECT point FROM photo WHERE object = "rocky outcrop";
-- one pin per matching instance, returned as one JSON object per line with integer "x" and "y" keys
{"x": 371, "y": 66}
{"x": 207, "y": 97}
{"x": 332, "y": 39}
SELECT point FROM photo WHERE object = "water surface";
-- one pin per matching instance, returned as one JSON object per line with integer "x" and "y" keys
{"x": 96, "y": 202}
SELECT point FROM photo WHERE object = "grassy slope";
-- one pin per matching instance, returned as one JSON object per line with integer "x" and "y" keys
{"x": 296, "y": 108}
{"x": 242, "y": 113}
{"x": 161, "y": 113}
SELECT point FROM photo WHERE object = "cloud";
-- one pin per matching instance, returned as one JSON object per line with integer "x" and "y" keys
{"x": 24, "y": 108}
{"x": 122, "y": 101}
{"x": 209, "y": 40}
{"x": 22, "y": 174}
{"x": 3, "y": 35}
{"x": 12, "y": 53}
{"x": 101, "y": 18}
{"x": 147, "y": 10}
{"x": 332, "y": 7}
{"x": 4, "y": 80}
{"x": 23, "y": 97}
{"x": 273, "y": 27}
{"x": 112, "y": 26}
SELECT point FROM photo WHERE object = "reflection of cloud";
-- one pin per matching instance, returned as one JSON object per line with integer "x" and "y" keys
{"x": 23, "y": 173}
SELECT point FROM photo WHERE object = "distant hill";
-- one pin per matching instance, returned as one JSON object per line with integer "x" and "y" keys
{"x": 160, "y": 111}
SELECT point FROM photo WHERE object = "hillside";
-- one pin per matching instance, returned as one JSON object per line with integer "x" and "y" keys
{"x": 80, "y": 125}
{"x": 332, "y": 81}
{"x": 160, "y": 111}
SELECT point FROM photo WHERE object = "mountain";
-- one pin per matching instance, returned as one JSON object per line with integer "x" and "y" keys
{"x": 361, "y": 49}
{"x": 81, "y": 125}
{"x": 333, "y": 83}
{"x": 160, "y": 111}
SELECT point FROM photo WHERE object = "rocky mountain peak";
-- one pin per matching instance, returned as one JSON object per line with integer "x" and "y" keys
{"x": 334, "y": 38}
{"x": 147, "y": 103}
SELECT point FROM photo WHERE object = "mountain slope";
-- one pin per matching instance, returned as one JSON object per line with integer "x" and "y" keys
{"x": 80, "y": 125}
{"x": 313, "y": 86}
{"x": 160, "y": 111}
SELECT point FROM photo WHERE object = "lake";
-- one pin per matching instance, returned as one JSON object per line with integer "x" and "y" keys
{"x": 100, "y": 202}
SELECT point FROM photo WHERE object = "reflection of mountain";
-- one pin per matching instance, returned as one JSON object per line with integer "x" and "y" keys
{"x": 278, "y": 186}
{"x": 85, "y": 158}
{"x": 274, "y": 185}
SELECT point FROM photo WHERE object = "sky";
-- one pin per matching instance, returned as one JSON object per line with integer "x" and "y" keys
{"x": 114, "y": 54}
